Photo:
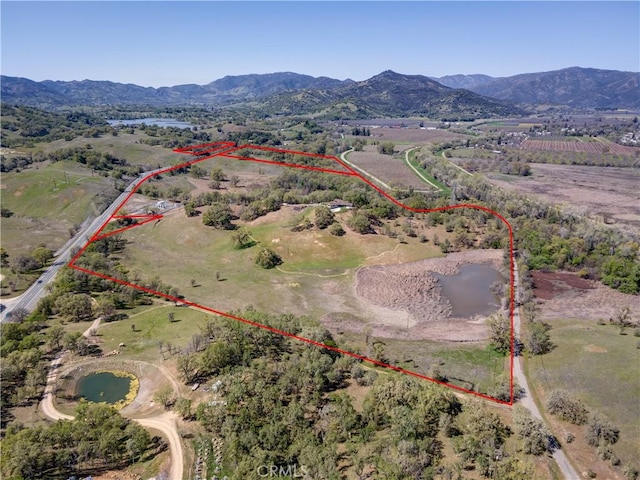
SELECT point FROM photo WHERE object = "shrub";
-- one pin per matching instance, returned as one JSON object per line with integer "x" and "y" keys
{"x": 630, "y": 472}
{"x": 267, "y": 258}
{"x": 324, "y": 217}
{"x": 336, "y": 229}
{"x": 386, "y": 148}
{"x": 601, "y": 433}
{"x": 361, "y": 223}
{"x": 564, "y": 406}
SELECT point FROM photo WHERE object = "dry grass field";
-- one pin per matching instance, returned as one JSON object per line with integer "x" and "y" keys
{"x": 603, "y": 193}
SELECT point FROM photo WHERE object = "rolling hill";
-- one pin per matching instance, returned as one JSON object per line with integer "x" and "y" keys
{"x": 386, "y": 94}
{"x": 575, "y": 87}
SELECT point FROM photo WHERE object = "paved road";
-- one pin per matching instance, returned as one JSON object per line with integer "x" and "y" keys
{"x": 527, "y": 401}
{"x": 29, "y": 299}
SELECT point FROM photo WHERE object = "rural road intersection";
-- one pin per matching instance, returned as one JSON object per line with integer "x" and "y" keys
{"x": 30, "y": 298}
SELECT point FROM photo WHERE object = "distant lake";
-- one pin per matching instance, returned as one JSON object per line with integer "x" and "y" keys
{"x": 160, "y": 122}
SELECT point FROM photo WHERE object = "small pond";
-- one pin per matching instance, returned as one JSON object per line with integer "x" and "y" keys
{"x": 469, "y": 290}
{"x": 160, "y": 122}
{"x": 103, "y": 387}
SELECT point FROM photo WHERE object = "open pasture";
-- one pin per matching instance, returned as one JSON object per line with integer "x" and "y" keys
{"x": 125, "y": 146}
{"x": 599, "y": 366}
{"x": 46, "y": 201}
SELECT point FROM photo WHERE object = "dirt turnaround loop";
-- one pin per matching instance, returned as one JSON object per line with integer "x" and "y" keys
{"x": 408, "y": 303}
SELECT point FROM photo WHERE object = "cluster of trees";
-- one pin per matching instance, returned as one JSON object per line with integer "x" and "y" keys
{"x": 23, "y": 363}
{"x": 605, "y": 159}
{"x": 97, "y": 438}
{"x": 507, "y": 164}
{"x": 85, "y": 155}
{"x": 27, "y": 263}
{"x": 284, "y": 404}
{"x": 24, "y": 126}
{"x": 254, "y": 137}
{"x": 599, "y": 433}
{"x": 293, "y": 187}
{"x": 386, "y": 148}
{"x": 171, "y": 137}
{"x": 366, "y": 132}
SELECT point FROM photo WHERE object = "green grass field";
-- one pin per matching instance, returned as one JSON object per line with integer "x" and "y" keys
{"x": 123, "y": 146}
{"x": 180, "y": 249}
{"x": 474, "y": 367}
{"x": 151, "y": 326}
{"x": 46, "y": 202}
{"x": 412, "y": 160}
{"x": 599, "y": 366}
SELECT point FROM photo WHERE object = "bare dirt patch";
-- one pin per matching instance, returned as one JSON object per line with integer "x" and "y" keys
{"x": 405, "y": 301}
{"x": 565, "y": 295}
{"x": 549, "y": 285}
{"x": 607, "y": 194}
{"x": 595, "y": 349}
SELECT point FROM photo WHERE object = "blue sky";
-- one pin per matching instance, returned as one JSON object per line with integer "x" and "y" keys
{"x": 170, "y": 43}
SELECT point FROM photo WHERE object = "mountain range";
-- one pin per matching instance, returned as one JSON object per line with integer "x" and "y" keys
{"x": 386, "y": 94}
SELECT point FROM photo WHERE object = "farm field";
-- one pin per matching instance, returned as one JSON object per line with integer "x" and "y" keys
{"x": 608, "y": 193}
{"x": 599, "y": 366}
{"x": 600, "y": 146}
{"x": 415, "y": 135}
{"x": 390, "y": 169}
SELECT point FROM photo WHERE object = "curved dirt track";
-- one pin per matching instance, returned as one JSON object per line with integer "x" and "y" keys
{"x": 165, "y": 423}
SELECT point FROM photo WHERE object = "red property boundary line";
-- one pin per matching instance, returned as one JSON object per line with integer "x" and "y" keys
{"x": 208, "y": 151}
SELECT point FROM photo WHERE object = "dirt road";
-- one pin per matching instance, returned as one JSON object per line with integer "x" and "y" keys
{"x": 164, "y": 423}
{"x": 527, "y": 401}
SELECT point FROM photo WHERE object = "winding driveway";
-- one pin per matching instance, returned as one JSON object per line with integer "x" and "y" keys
{"x": 165, "y": 423}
